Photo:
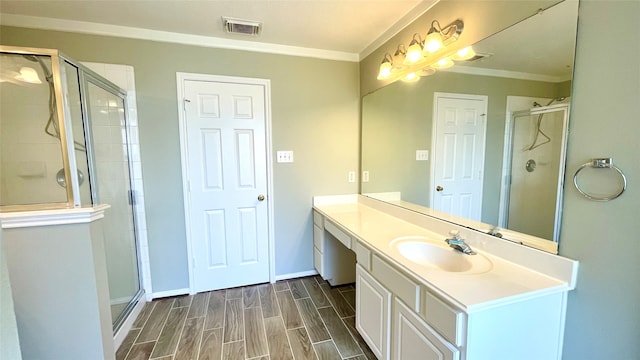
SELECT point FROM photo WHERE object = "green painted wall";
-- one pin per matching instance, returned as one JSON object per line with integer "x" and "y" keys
{"x": 9, "y": 342}
{"x": 603, "y": 319}
{"x": 315, "y": 113}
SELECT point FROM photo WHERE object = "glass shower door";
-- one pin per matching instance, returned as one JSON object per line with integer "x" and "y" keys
{"x": 537, "y": 171}
{"x": 111, "y": 169}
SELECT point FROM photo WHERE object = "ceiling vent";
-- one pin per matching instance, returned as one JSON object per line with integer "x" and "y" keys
{"x": 477, "y": 57}
{"x": 244, "y": 27}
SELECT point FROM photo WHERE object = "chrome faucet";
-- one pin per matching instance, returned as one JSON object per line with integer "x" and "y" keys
{"x": 458, "y": 243}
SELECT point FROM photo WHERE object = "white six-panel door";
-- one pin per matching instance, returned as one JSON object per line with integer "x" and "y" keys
{"x": 227, "y": 183}
{"x": 458, "y": 154}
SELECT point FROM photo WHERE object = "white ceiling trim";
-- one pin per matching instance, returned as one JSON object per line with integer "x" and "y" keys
{"x": 505, "y": 73}
{"x": 166, "y": 36}
{"x": 404, "y": 21}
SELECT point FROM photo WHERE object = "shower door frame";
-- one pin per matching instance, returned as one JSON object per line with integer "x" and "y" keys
{"x": 505, "y": 189}
{"x": 64, "y": 123}
{"x": 64, "y": 119}
{"x": 87, "y": 76}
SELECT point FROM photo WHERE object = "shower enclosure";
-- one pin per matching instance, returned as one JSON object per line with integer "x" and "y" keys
{"x": 64, "y": 143}
{"x": 536, "y": 144}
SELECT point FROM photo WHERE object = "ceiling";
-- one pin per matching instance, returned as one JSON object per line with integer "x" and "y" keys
{"x": 343, "y": 26}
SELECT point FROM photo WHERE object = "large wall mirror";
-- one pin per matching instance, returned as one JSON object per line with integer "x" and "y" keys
{"x": 481, "y": 144}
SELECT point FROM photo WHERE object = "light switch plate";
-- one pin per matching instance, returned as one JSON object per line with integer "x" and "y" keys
{"x": 284, "y": 156}
{"x": 422, "y": 155}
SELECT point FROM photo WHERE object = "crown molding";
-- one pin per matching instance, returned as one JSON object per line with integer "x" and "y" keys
{"x": 84, "y": 27}
{"x": 505, "y": 74}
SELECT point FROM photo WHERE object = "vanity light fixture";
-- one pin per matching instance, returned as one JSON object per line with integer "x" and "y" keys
{"x": 426, "y": 71}
{"x": 385, "y": 67}
{"x": 438, "y": 37}
{"x": 400, "y": 54}
{"x": 414, "y": 52}
{"x": 411, "y": 77}
{"x": 464, "y": 54}
{"x": 443, "y": 63}
{"x": 422, "y": 58}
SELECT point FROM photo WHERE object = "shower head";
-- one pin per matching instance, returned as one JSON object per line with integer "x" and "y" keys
{"x": 556, "y": 99}
{"x": 30, "y": 58}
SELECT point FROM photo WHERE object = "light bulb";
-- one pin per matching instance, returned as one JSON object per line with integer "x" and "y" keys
{"x": 464, "y": 54}
{"x": 443, "y": 63}
{"x": 385, "y": 69}
{"x": 433, "y": 42}
{"x": 414, "y": 52}
{"x": 411, "y": 77}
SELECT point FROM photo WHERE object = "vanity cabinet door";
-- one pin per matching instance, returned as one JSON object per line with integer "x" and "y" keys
{"x": 413, "y": 339}
{"x": 373, "y": 313}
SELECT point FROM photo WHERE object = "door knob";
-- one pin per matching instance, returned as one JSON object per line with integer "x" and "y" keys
{"x": 439, "y": 188}
{"x": 260, "y": 197}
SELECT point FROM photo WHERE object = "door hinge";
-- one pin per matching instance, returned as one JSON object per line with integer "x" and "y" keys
{"x": 184, "y": 103}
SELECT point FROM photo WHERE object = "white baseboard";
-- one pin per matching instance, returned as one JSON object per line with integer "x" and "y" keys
{"x": 296, "y": 275}
{"x": 168, "y": 293}
{"x": 119, "y": 336}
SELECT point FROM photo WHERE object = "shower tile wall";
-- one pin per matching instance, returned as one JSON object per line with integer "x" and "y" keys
{"x": 123, "y": 76}
{"x": 30, "y": 157}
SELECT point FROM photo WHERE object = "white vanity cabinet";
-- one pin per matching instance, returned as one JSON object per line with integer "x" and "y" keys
{"x": 509, "y": 312}
{"x": 414, "y": 339}
{"x": 373, "y": 313}
{"x": 392, "y": 329}
{"x": 331, "y": 256}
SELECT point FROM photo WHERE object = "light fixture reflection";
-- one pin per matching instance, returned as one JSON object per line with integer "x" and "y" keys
{"x": 28, "y": 75}
{"x": 464, "y": 54}
{"x": 411, "y": 77}
{"x": 426, "y": 71}
{"x": 443, "y": 63}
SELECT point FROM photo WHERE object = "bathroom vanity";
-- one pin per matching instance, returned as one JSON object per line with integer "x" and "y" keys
{"x": 417, "y": 298}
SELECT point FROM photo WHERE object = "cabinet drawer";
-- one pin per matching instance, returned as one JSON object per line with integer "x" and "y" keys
{"x": 318, "y": 240}
{"x": 338, "y": 234}
{"x": 363, "y": 255}
{"x": 400, "y": 285}
{"x": 318, "y": 219}
{"x": 318, "y": 261}
{"x": 449, "y": 322}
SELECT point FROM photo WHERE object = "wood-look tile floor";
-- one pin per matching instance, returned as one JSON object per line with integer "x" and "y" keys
{"x": 298, "y": 319}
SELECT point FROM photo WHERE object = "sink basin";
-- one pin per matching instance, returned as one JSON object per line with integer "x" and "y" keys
{"x": 420, "y": 251}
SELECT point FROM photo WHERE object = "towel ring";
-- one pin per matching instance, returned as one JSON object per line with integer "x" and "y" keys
{"x": 604, "y": 163}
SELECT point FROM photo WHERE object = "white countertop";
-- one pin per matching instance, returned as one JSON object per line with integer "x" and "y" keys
{"x": 506, "y": 282}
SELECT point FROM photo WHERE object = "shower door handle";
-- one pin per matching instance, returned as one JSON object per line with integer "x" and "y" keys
{"x": 439, "y": 188}
{"x": 132, "y": 197}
